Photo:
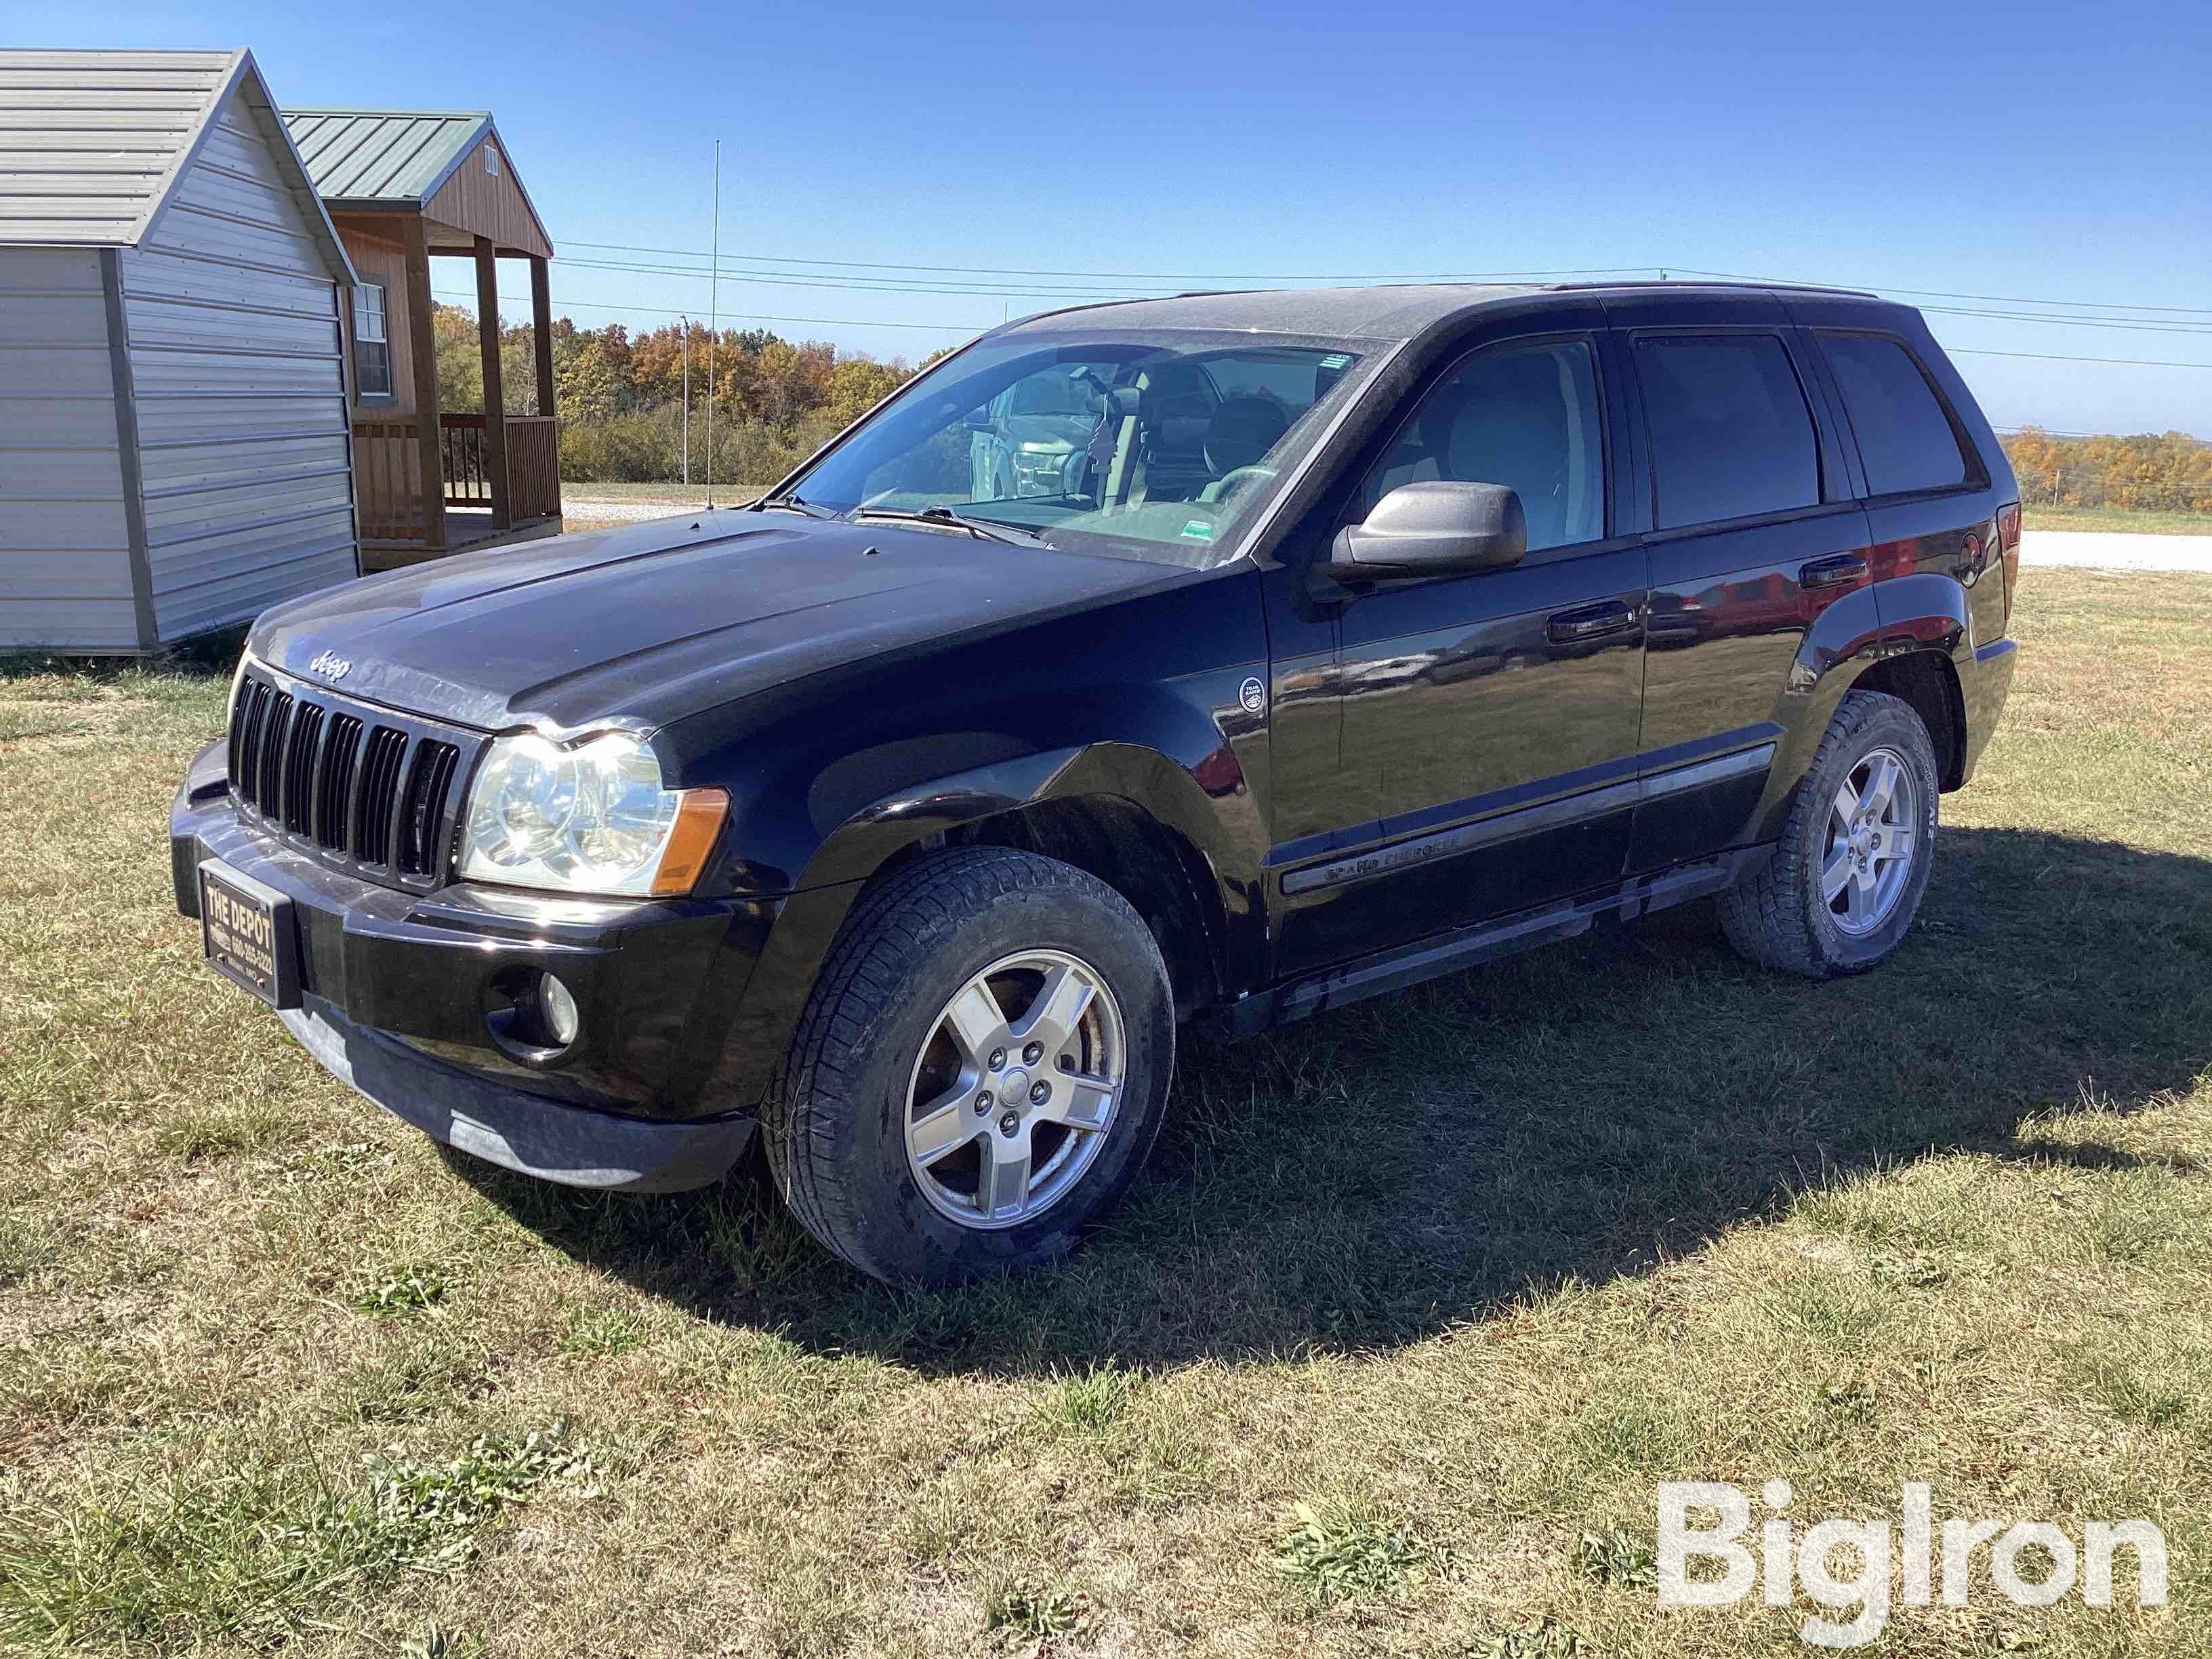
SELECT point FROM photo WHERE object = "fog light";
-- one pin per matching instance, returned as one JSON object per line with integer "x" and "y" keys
{"x": 558, "y": 1010}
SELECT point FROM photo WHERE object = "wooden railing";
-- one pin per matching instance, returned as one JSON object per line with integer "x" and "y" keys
{"x": 388, "y": 470}
{"x": 533, "y": 466}
{"x": 387, "y": 480}
{"x": 461, "y": 442}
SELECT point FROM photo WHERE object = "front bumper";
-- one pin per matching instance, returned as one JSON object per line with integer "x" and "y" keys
{"x": 400, "y": 991}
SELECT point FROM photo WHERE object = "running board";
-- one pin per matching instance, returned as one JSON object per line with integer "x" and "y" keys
{"x": 1468, "y": 947}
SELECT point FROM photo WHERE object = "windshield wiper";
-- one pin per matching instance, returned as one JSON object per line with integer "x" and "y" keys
{"x": 989, "y": 530}
{"x": 792, "y": 504}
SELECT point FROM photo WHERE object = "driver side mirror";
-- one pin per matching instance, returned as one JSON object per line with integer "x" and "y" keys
{"x": 977, "y": 419}
{"x": 1432, "y": 528}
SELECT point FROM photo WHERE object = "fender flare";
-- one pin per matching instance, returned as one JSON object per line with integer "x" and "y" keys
{"x": 1205, "y": 816}
{"x": 1868, "y": 625}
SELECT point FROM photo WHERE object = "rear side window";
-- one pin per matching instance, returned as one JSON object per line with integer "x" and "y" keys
{"x": 1904, "y": 438}
{"x": 1730, "y": 433}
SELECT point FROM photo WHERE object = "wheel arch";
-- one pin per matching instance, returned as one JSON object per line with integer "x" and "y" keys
{"x": 1900, "y": 637}
{"x": 1137, "y": 819}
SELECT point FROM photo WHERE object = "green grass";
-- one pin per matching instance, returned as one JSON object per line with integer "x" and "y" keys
{"x": 1465, "y": 1271}
{"x": 2143, "y": 523}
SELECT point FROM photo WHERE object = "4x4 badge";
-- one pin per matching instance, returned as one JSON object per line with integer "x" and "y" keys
{"x": 330, "y": 666}
{"x": 1253, "y": 696}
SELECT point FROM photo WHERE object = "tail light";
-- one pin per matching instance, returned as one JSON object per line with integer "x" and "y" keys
{"x": 2008, "y": 548}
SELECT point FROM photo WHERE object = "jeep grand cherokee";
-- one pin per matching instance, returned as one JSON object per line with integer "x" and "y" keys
{"x": 1353, "y": 636}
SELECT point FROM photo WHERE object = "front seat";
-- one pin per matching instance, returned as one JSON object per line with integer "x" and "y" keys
{"x": 1240, "y": 434}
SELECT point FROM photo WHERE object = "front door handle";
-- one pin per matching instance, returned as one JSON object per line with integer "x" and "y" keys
{"x": 1844, "y": 568}
{"x": 1591, "y": 621}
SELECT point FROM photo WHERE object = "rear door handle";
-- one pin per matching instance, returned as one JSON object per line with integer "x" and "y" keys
{"x": 1833, "y": 573}
{"x": 1591, "y": 622}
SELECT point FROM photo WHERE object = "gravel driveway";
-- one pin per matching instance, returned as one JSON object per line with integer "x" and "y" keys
{"x": 2116, "y": 549}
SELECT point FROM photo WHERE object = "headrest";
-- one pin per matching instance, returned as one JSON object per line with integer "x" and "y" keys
{"x": 1242, "y": 430}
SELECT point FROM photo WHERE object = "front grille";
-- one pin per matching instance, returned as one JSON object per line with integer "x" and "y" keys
{"x": 359, "y": 785}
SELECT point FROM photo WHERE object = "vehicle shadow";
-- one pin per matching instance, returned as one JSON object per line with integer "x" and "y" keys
{"x": 1385, "y": 1171}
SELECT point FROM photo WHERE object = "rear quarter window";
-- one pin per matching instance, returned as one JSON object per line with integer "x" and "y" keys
{"x": 1906, "y": 439}
{"x": 1731, "y": 435}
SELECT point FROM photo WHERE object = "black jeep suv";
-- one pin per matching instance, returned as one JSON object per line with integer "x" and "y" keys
{"x": 1357, "y": 636}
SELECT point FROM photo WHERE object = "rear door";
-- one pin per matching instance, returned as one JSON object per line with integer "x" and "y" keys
{"x": 1490, "y": 720}
{"x": 1756, "y": 528}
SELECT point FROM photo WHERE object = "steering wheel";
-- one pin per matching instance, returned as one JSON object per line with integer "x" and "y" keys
{"x": 1231, "y": 482}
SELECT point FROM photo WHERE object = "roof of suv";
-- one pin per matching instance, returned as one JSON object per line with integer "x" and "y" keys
{"x": 1380, "y": 313}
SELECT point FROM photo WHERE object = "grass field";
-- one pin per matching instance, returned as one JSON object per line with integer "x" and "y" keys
{"x": 2115, "y": 518}
{"x": 1465, "y": 1272}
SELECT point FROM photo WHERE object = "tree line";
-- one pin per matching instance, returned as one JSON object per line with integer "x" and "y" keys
{"x": 2168, "y": 472}
{"x": 620, "y": 395}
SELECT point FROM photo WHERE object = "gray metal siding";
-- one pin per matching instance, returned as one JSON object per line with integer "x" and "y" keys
{"x": 64, "y": 529}
{"x": 239, "y": 390}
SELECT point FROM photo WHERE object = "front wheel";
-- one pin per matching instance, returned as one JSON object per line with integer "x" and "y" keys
{"x": 981, "y": 1070}
{"x": 1846, "y": 881}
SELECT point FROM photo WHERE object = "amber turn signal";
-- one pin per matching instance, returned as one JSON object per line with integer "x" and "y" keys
{"x": 698, "y": 821}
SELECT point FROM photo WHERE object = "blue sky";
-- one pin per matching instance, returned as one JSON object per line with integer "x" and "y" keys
{"x": 2020, "y": 151}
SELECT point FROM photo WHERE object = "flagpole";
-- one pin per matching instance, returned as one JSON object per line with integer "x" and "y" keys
{"x": 713, "y": 319}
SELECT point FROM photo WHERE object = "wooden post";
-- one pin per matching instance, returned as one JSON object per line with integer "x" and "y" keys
{"x": 541, "y": 331}
{"x": 425, "y": 347}
{"x": 502, "y": 508}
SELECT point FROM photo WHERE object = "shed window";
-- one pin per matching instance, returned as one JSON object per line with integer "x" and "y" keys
{"x": 372, "y": 349}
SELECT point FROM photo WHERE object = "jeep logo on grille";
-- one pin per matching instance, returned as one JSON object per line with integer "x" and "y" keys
{"x": 330, "y": 666}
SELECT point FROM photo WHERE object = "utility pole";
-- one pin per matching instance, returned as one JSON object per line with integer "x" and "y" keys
{"x": 713, "y": 318}
{"x": 687, "y": 399}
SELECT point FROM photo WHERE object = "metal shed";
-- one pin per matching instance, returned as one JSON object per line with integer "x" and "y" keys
{"x": 175, "y": 449}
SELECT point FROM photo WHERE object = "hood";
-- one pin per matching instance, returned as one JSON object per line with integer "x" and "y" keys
{"x": 644, "y": 623}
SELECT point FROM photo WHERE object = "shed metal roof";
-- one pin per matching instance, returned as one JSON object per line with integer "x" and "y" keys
{"x": 393, "y": 157}
{"x": 93, "y": 143}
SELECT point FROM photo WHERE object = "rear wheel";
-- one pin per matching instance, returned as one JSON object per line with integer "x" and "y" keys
{"x": 1846, "y": 880}
{"x": 980, "y": 1071}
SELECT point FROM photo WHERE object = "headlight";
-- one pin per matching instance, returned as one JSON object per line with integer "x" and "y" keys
{"x": 591, "y": 819}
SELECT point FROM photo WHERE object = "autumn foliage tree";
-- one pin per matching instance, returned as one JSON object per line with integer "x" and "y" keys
{"x": 620, "y": 396}
{"x": 2169, "y": 472}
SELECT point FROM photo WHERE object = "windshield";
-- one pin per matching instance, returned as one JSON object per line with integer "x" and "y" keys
{"x": 1140, "y": 443}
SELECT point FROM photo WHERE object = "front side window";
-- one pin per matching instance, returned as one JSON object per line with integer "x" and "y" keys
{"x": 1904, "y": 438}
{"x": 372, "y": 351}
{"x": 1523, "y": 416}
{"x": 1149, "y": 444}
{"x": 1731, "y": 435}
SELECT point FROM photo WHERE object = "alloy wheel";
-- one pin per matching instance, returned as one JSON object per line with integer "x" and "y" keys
{"x": 1873, "y": 832}
{"x": 1015, "y": 1088}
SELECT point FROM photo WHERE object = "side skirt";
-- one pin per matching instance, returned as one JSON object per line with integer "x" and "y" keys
{"x": 1466, "y": 947}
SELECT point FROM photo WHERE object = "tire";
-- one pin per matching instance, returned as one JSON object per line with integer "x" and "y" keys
{"x": 841, "y": 1128}
{"x": 1780, "y": 917}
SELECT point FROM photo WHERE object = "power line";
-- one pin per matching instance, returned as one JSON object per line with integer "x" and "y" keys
{"x": 785, "y": 278}
{"x": 2053, "y": 357}
{"x": 1124, "y": 275}
{"x": 1942, "y": 294}
{"x": 860, "y": 284}
{"x": 677, "y": 311}
{"x": 786, "y": 259}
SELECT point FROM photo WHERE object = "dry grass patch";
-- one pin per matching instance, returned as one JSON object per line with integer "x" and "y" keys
{"x": 1466, "y": 1272}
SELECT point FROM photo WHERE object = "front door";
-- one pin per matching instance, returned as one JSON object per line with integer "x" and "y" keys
{"x": 1489, "y": 726}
